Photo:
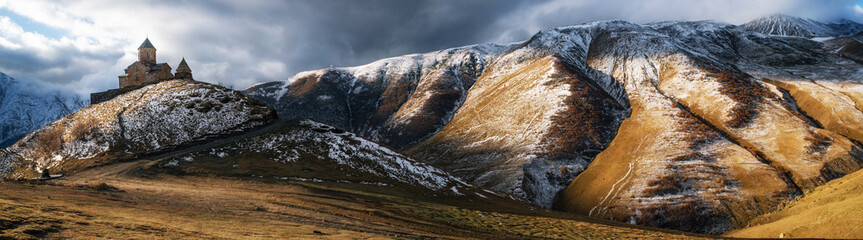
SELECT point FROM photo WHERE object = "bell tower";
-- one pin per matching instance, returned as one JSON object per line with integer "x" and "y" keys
{"x": 147, "y": 53}
{"x": 183, "y": 70}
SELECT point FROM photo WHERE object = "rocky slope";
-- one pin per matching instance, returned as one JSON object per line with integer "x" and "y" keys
{"x": 23, "y": 110}
{"x": 698, "y": 126}
{"x": 847, "y": 47}
{"x": 151, "y": 119}
{"x": 304, "y": 150}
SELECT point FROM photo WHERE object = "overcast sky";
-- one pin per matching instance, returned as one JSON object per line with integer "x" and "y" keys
{"x": 84, "y": 45}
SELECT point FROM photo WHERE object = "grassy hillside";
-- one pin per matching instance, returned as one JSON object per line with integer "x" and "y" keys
{"x": 162, "y": 206}
{"x": 829, "y": 211}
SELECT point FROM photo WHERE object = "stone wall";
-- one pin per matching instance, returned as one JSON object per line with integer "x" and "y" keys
{"x": 99, "y": 97}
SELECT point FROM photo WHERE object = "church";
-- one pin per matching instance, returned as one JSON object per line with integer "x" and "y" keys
{"x": 146, "y": 70}
{"x": 143, "y": 72}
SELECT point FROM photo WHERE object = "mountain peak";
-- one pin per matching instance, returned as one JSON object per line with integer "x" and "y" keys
{"x": 844, "y": 21}
{"x": 786, "y": 25}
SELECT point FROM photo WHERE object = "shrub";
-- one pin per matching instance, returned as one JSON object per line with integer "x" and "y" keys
{"x": 692, "y": 215}
{"x": 667, "y": 184}
{"x": 696, "y": 133}
{"x": 817, "y": 142}
{"x": 84, "y": 128}
{"x": 99, "y": 186}
{"x": 51, "y": 139}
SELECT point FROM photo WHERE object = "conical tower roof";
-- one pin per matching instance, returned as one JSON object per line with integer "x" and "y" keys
{"x": 183, "y": 66}
{"x": 146, "y": 44}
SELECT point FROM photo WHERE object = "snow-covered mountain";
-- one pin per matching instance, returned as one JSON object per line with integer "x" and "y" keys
{"x": 23, "y": 109}
{"x": 784, "y": 25}
{"x": 699, "y": 126}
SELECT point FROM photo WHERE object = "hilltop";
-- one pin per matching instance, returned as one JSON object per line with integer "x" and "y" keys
{"x": 151, "y": 119}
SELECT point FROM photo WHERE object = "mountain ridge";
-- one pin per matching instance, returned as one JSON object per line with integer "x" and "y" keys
{"x": 502, "y": 135}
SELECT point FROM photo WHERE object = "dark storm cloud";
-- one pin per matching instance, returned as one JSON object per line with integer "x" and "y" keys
{"x": 55, "y": 70}
{"x": 345, "y": 33}
{"x": 244, "y": 42}
{"x": 308, "y": 35}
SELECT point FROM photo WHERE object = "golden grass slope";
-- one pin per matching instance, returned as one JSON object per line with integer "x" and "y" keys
{"x": 829, "y": 211}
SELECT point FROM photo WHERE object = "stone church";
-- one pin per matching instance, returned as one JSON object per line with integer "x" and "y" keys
{"x": 143, "y": 72}
{"x": 146, "y": 70}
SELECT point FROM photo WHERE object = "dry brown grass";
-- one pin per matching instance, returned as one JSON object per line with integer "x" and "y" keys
{"x": 304, "y": 85}
{"x": 396, "y": 94}
{"x": 210, "y": 208}
{"x": 667, "y": 71}
{"x": 426, "y": 110}
{"x": 259, "y": 210}
{"x": 831, "y": 211}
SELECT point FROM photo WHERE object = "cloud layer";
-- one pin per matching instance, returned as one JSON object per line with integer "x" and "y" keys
{"x": 84, "y": 45}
